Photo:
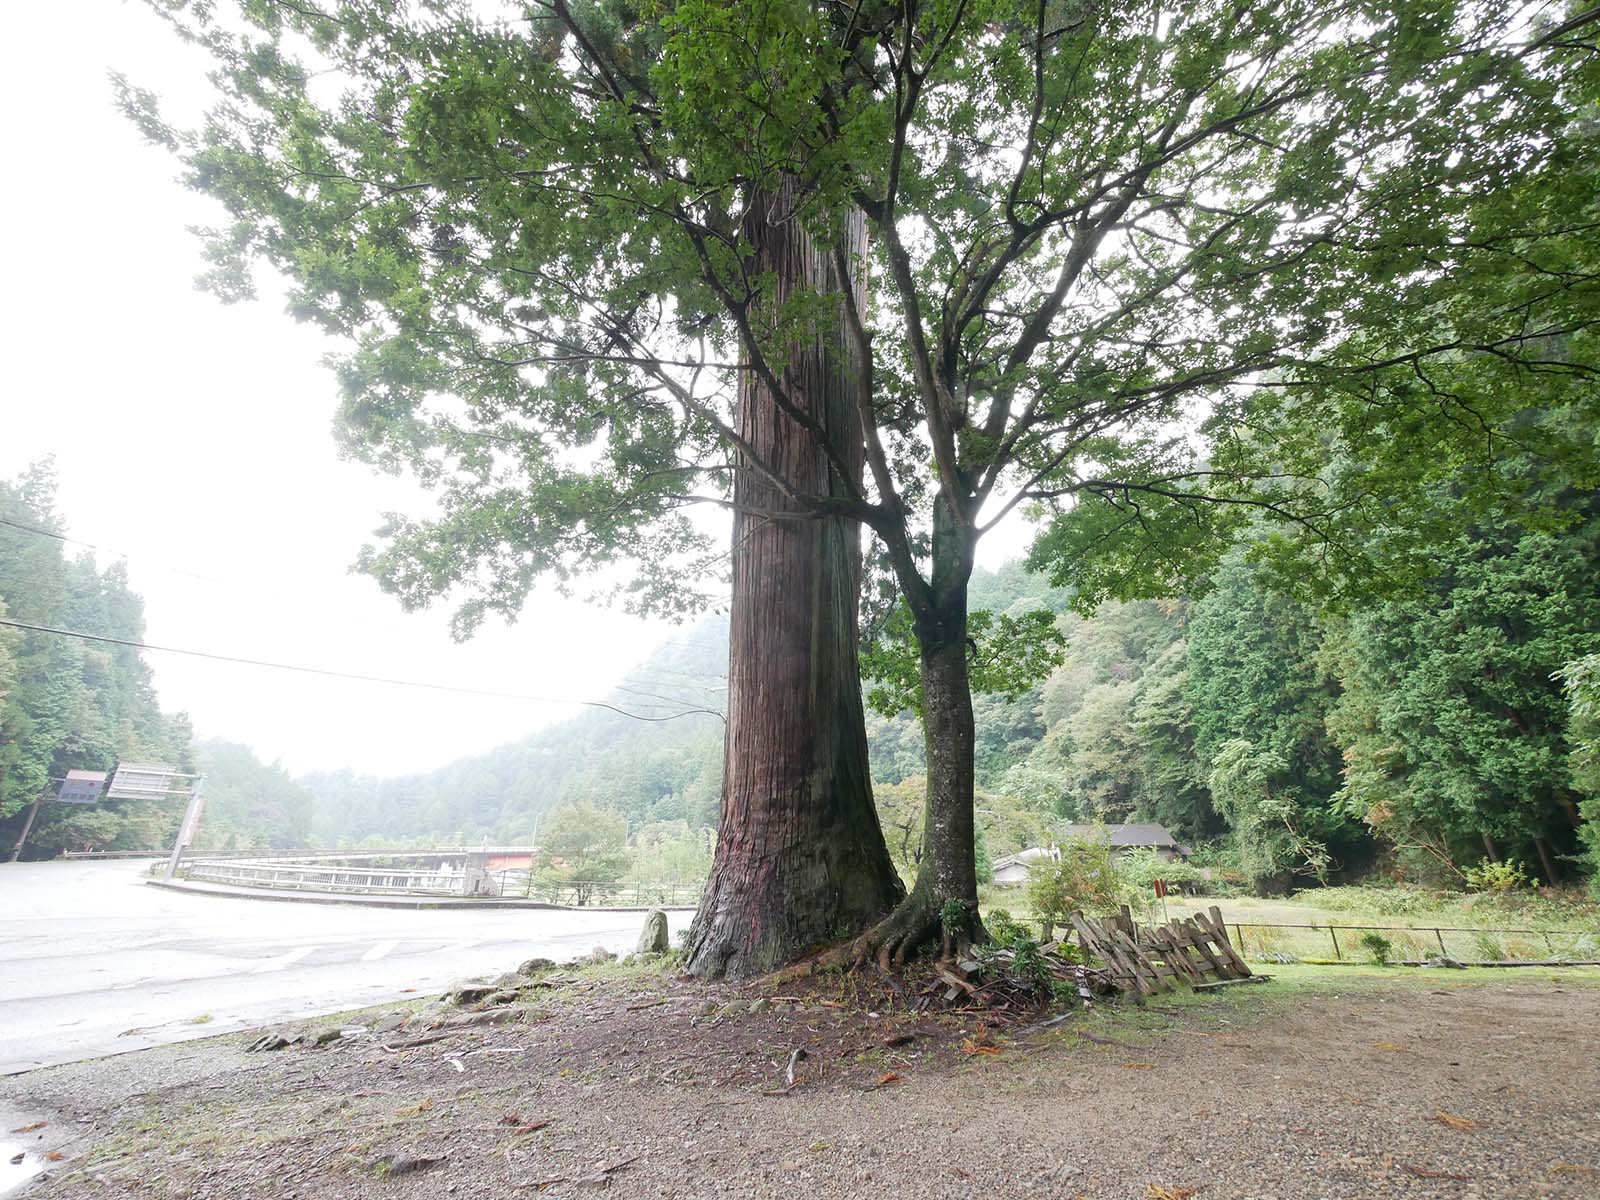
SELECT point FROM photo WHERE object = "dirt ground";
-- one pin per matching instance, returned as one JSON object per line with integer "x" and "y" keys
{"x": 1316, "y": 1085}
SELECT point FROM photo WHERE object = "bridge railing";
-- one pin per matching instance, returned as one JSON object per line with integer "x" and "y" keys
{"x": 395, "y": 878}
{"x": 306, "y": 876}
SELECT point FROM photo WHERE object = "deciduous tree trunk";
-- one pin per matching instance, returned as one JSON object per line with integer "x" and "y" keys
{"x": 943, "y": 903}
{"x": 800, "y": 857}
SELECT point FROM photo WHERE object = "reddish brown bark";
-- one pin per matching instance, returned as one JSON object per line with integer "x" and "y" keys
{"x": 800, "y": 855}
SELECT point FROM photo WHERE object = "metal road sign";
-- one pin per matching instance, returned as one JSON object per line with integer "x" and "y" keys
{"x": 81, "y": 787}
{"x": 142, "y": 781}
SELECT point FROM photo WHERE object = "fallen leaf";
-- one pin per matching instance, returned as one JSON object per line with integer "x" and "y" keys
{"x": 1138, "y": 1066}
{"x": 818, "y": 1147}
{"x": 37, "y": 1125}
{"x": 1453, "y": 1121}
{"x": 54, "y": 1156}
{"x": 1566, "y": 1168}
{"x": 887, "y": 1078}
{"x": 1155, "y": 1191}
{"x": 1392, "y": 1046}
{"x": 417, "y": 1109}
{"x": 971, "y": 1047}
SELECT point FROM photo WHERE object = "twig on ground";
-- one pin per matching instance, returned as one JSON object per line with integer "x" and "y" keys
{"x": 795, "y": 1056}
{"x": 602, "y": 1175}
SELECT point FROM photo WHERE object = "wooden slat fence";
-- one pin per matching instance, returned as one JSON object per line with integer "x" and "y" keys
{"x": 1143, "y": 962}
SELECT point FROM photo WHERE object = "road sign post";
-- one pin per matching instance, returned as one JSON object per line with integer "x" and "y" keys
{"x": 191, "y": 818}
{"x": 79, "y": 787}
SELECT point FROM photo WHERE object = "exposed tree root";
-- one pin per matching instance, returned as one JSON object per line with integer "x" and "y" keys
{"x": 893, "y": 940}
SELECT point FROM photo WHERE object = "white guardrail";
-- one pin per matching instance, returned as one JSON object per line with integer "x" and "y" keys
{"x": 303, "y": 876}
{"x": 447, "y": 874}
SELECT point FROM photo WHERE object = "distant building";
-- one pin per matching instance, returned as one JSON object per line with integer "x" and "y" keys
{"x": 1147, "y": 835}
{"x": 1014, "y": 869}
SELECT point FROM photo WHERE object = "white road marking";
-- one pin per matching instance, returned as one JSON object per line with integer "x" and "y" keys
{"x": 381, "y": 950}
{"x": 285, "y": 960}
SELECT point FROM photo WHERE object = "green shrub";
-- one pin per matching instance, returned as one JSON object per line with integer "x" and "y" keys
{"x": 1141, "y": 868}
{"x": 1005, "y": 931}
{"x": 1497, "y": 878}
{"x": 1028, "y": 961}
{"x": 1379, "y": 948}
{"x": 1083, "y": 879}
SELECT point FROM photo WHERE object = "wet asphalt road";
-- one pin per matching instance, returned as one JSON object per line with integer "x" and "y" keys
{"x": 92, "y": 962}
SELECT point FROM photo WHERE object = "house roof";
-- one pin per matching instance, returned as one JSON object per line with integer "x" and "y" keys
{"x": 1148, "y": 833}
{"x": 1135, "y": 836}
{"x": 1023, "y": 857}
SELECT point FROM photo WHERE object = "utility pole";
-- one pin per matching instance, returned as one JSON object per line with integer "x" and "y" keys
{"x": 33, "y": 811}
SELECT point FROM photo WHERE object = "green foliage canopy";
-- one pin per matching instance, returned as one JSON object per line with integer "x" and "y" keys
{"x": 1094, "y": 228}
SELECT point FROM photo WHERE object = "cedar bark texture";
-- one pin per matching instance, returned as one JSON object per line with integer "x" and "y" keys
{"x": 800, "y": 859}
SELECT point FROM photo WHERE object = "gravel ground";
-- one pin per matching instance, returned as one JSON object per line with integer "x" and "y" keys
{"x": 1440, "y": 1086}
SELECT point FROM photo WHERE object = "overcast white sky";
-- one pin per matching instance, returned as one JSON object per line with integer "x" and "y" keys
{"x": 194, "y": 439}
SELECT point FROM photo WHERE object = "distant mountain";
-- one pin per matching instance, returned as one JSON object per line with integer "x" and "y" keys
{"x": 649, "y": 770}
{"x": 652, "y": 765}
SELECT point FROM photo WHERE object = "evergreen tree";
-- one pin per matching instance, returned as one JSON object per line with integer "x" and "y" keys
{"x": 1261, "y": 695}
{"x": 1453, "y": 719}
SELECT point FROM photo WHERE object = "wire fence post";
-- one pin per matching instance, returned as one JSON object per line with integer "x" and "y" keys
{"x": 1335, "y": 938}
{"x": 1442, "y": 950}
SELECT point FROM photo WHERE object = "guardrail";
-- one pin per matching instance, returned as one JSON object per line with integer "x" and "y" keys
{"x": 266, "y": 853}
{"x": 319, "y": 874}
{"x": 303, "y": 876}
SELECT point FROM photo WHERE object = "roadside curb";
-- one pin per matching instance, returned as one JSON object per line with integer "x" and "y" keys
{"x": 400, "y": 902}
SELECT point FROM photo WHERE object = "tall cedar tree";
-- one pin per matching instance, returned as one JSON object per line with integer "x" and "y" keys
{"x": 1138, "y": 267}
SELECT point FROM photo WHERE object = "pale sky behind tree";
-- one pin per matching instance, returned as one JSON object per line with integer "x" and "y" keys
{"x": 195, "y": 439}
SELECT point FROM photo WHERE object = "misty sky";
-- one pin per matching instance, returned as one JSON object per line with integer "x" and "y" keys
{"x": 194, "y": 439}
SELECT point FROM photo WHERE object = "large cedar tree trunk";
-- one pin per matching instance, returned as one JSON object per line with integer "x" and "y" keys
{"x": 800, "y": 858}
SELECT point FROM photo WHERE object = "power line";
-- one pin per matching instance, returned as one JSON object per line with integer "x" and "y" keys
{"x": 304, "y": 670}
{"x": 112, "y": 550}
{"x": 49, "y": 533}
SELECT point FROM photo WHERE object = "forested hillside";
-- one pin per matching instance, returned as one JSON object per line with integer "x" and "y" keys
{"x": 249, "y": 804}
{"x": 70, "y": 704}
{"x": 653, "y": 766}
{"x": 1418, "y": 734}
{"x": 67, "y": 704}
